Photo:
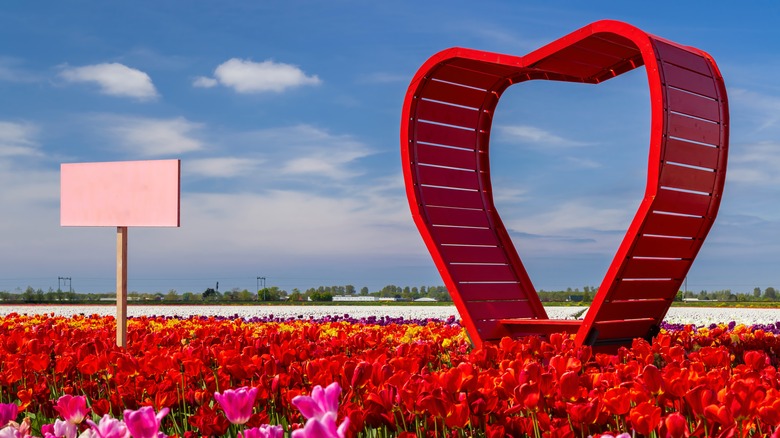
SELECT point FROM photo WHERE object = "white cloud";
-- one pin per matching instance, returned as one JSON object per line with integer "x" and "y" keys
{"x": 307, "y": 150}
{"x": 17, "y": 139}
{"x": 285, "y": 223}
{"x": 386, "y": 78}
{"x": 204, "y": 82}
{"x": 245, "y": 76}
{"x": 114, "y": 79}
{"x": 154, "y": 137}
{"x": 762, "y": 107}
{"x": 755, "y": 163}
{"x": 533, "y": 135}
{"x": 221, "y": 167}
{"x": 579, "y": 226}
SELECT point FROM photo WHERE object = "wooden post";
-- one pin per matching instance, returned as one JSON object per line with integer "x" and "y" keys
{"x": 121, "y": 286}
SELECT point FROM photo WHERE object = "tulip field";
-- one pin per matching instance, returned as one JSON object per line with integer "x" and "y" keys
{"x": 372, "y": 376}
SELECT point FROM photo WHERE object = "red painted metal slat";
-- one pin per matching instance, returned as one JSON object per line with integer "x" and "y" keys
{"x": 487, "y": 310}
{"x": 694, "y": 129}
{"x": 457, "y": 216}
{"x": 520, "y": 327}
{"x": 691, "y": 153}
{"x": 693, "y": 104}
{"x": 679, "y": 77}
{"x": 470, "y": 273}
{"x": 446, "y": 92}
{"x": 464, "y": 236}
{"x": 440, "y": 176}
{"x": 492, "y": 291}
{"x": 656, "y": 268}
{"x": 683, "y": 58}
{"x": 450, "y": 198}
{"x": 451, "y": 115}
{"x": 670, "y": 225}
{"x": 440, "y": 156}
{"x": 472, "y": 78}
{"x": 502, "y": 71}
{"x": 632, "y": 309}
{"x": 488, "y": 329}
{"x": 617, "y": 39}
{"x": 569, "y": 67}
{"x": 647, "y": 289}
{"x": 651, "y": 246}
{"x": 602, "y": 46}
{"x": 446, "y": 135}
{"x": 687, "y": 178}
{"x": 473, "y": 254}
{"x": 682, "y": 202}
{"x": 637, "y": 328}
{"x": 665, "y": 247}
{"x": 581, "y": 53}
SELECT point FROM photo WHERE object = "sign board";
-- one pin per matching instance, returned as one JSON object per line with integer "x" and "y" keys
{"x": 120, "y": 194}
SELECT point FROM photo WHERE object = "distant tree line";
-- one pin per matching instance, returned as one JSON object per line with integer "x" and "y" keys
{"x": 326, "y": 293}
{"x": 235, "y": 295}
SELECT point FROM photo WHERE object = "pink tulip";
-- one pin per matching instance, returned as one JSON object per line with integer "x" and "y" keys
{"x": 237, "y": 403}
{"x": 65, "y": 429}
{"x": 320, "y": 403}
{"x": 108, "y": 428}
{"x": 264, "y": 431}
{"x": 8, "y": 412}
{"x": 324, "y": 427}
{"x": 17, "y": 430}
{"x": 47, "y": 430}
{"x": 72, "y": 409}
{"x": 143, "y": 423}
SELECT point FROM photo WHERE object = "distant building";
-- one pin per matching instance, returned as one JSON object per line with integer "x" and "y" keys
{"x": 425, "y": 300}
{"x": 354, "y": 298}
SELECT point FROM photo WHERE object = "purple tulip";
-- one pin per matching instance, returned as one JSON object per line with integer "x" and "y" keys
{"x": 108, "y": 427}
{"x": 324, "y": 427}
{"x": 264, "y": 431}
{"x": 144, "y": 423}
{"x": 320, "y": 403}
{"x": 72, "y": 409}
{"x": 8, "y": 412}
{"x": 237, "y": 403}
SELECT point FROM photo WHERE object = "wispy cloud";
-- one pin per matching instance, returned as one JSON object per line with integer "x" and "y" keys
{"x": 311, "y": 151}
{"x": 245, "y": 76}
{"x": 386, "y": 78}
{"x": 573, "y": 227}
{"x": 10, "y": 71}
{"x": 534, "y": 136}
{"x": 221, "y": 167}
{"x": 756, "y": 163}
{"x": 114, "y": 79}
{"x": 18, "y": 139}
{"x": 153, "y": 137}
{"x": 765, "y": 108}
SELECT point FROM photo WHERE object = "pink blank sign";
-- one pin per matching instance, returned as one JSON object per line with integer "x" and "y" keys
{"x": 120, "y": 194}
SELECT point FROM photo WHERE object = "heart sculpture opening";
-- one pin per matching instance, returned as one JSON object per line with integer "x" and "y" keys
{"x": 445, "y": 131}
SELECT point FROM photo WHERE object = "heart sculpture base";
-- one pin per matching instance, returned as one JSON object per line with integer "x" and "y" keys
{"x": 445, "y": 131}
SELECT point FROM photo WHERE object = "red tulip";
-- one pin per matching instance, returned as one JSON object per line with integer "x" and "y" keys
{"x": 676, "y": 425}
{"x": 645, "y": 418}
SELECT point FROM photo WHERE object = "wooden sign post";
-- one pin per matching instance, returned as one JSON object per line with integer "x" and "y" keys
{"x": 121, "y": 194}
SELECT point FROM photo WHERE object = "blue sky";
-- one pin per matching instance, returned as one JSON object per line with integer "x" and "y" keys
{"x": 285, "y": 115}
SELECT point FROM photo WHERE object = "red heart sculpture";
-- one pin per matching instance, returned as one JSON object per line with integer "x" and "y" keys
{"x": 445, "y": 130}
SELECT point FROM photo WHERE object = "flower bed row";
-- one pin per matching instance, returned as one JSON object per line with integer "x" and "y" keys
{"x": 396, "y": 379}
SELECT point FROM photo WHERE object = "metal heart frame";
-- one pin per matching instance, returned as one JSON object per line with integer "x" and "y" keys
{"x": 445, "y": 130}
